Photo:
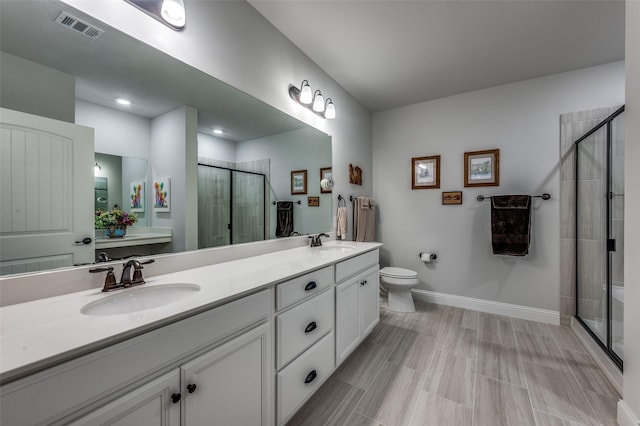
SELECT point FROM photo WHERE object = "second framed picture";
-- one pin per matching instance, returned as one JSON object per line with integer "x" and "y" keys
{"x": 425, "y": 172}
{"x": 482, "y": 168}
{"x": 299, "y": 182}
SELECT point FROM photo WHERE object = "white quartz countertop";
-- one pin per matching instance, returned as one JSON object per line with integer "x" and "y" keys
{"x": 43, "y": 333}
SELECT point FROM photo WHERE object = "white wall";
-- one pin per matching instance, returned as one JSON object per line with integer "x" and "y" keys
{"x": 631, "y": 377}
{"x": 29, "y": 87}
{"x": 522, "y": 120}
{"x": 116, "y": 132}
{"x": 304, "y": 149}
{"x": 232, "y": 42}
{"x": 219, "y": 149}
{"x": 173, "y": 154}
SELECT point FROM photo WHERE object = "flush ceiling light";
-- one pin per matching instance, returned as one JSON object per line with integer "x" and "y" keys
{"x": 330, "y": 110}
{"x": 315, "y": 102}
{"x": 170, "y": 12}
{"x": 123, "y": 101}
{"x": 318, "y": 101}
{"x": 218, "y": 131}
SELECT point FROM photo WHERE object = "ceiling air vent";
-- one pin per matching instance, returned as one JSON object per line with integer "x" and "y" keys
{"x": 76, "y": 24}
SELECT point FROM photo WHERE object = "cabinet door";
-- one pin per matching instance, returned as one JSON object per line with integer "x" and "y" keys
{"x": 369, "y": 301}
{"x": 231, "y": 384}
{"x": 155, "y": 404}
{"x": 347, "y": 318}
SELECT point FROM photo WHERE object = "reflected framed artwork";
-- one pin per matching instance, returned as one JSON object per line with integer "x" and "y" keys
{"x": 162, "y": 194}
{"x": 425, "y": 172}
{"x": 299, "y": 182}
{"x": 482, "y": 168}
{"x": 137, "y": 197}
{"x": 326, "y": 174}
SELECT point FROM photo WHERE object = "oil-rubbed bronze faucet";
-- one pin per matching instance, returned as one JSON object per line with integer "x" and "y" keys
{"x": 316, "y": 241}
{"x": 125, "y": 280}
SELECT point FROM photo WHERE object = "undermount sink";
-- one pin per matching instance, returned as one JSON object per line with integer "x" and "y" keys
{"x": 335, "y": 248}
{"x": 139, "y": 299}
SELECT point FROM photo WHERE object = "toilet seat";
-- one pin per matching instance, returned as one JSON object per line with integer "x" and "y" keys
{"x": 400, "y": 273}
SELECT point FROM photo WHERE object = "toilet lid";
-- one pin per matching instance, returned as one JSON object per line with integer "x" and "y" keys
{"x": 398, "y": 272}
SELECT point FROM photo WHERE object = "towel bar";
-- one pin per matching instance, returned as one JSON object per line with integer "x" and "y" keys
{"x": 544, "y": 196}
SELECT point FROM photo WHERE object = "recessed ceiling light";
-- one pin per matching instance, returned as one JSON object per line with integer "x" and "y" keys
{"x": 123, "y": 101}
{"x": 218, "y": 131}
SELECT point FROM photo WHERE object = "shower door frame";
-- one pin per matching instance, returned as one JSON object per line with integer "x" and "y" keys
{"x": 264, "y": 197}
{"x": 605, "y": 346}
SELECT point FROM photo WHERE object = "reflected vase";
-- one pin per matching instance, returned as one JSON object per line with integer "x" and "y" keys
{"x": 117, "y": 231}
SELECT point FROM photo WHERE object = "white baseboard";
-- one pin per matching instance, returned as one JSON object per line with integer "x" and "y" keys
{"x": 498, "y": 308}
{"x": 626, "y": 417}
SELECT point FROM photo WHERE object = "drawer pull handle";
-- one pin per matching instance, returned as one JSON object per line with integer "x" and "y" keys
{"x": 175, "y": 398}
{"x": 191, "y": 388}
{"x": 310, "y": 286}
{"x": 310, "y": 327}
{"x": 311, "y": 377}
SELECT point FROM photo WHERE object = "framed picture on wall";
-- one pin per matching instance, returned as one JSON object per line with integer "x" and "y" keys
{"x": 482, "y": 168}
{"x": 327, "y": 176}
{"x": 299, "y": 182}
{"x": 425, "y": 172}
{"x": 451, "y": 197}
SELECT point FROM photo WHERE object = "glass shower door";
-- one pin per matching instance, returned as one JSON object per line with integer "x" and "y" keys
{"x": 214, "y": 206}
{"x": 591, "y": 230}
{"x": 248, "y": 207}
{"x": 600, "y": 233}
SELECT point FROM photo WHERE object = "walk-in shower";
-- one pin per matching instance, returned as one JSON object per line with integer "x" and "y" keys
{"x": 231, "y": 206}
{"x": 599, "y": 212}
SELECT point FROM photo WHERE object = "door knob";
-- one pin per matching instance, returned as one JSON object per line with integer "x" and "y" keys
{"x": 191, "y": 388}
{"x": 85, "y": 240}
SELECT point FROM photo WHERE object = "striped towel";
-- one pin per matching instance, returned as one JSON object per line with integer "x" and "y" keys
{"x": 341, "y": 223}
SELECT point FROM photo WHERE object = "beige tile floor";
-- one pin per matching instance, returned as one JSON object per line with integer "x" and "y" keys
{"x": 450, "y": 366}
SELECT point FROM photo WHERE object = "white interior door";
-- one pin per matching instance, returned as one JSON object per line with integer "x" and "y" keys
{"x": 46, "y": 187}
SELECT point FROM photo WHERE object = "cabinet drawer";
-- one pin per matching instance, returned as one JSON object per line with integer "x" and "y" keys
{"x": 303, "y": 377}
{"x": 357, "y": 264}
{"x": 302, "y": 287}
{"x": 302, "y": 326}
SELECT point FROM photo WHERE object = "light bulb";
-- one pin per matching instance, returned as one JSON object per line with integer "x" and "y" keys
{"x": 330, "y": 111}
{"x": 318, "y": 102}
{"x": 173, "y": 12}
{"x": 305, "y": 93}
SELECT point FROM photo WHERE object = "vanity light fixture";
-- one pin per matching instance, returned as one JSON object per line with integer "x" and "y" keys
{"x": 123, "y": 101}
{"x": 329, "y": 110}
{"x": 318, "y": 101}
{"x": 96, "y": 168}
{"x": 314, "y": 102}
{"x": 172, "y": 13}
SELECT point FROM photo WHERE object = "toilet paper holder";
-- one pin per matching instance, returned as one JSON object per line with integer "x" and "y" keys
{"x": 433, "y": 256}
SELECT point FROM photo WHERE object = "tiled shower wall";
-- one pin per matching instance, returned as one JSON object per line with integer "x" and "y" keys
{"x": 573, "y": 126}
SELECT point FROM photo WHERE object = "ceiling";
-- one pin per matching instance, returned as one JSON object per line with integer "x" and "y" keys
{"x": 388, "y": 54}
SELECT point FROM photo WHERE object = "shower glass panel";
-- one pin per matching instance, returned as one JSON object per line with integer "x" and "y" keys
{"x": 599, "y": 233}
{"x": 214, "y": 207}
{"x": 248, "y": 207}
{"x": 617, "y": 233}
{"x": 231, "y": 206}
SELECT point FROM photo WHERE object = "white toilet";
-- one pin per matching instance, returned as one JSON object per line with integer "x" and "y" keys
{"x": 399, "y": 282}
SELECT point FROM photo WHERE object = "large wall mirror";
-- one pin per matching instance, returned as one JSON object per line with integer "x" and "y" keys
{"x": 182, "y": 126}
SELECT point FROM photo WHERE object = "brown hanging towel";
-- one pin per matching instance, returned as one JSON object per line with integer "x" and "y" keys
{"x": 511, "y": 224}
{"x": 284, "y": 217}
